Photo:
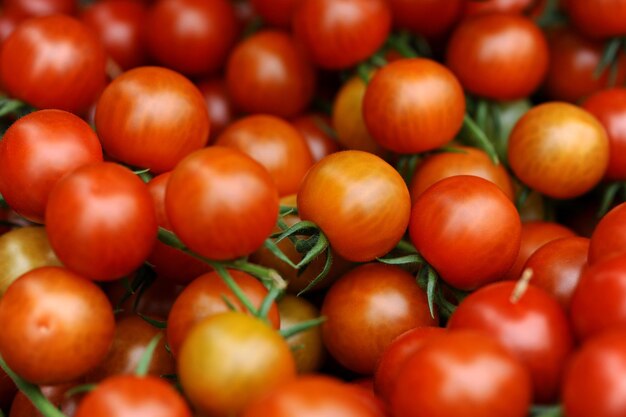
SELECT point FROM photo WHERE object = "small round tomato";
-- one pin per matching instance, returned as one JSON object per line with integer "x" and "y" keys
{"x": 366, "y": 309}
{"x": 467, "y": 229}
{"x": 268, "y": 73}
{"x": 100, "y": 221}
{"x": 152, "y": 117}
{"x": 600, "y": 19}
{"x": 559, "y": 150}
{"x": 413, "y": 105}
{"x": 53, "y": 62}
{"x": 461, "y": 374}
{"x": 221, "y": 203}
{"x": 236, "y": 351}
{"x": 430, "y": 18}
{"x": 8, "y": 23}
{"x": 36, "y": 151}
{"x": 478, "y": 7}
{"x": 360, "y": 226}
{"x": 128, "y": 395}
{"x": 56, "y": 326}
{"x": 609, "y": 237}
{"x": 276, "y": 12}
{"x": 219, "y": 104}
{"x": 275, "y": 144}
{"x": 32, "y": 8}
{"x": 498, "y": 56}
{"x": 337, "y": 43}
{"x": 318, "y": 134}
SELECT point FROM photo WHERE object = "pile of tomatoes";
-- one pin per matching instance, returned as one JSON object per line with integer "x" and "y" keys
{"x": 313, "y": 208}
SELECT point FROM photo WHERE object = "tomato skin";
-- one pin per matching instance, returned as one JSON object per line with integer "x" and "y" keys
{"x": 154, "y": 302}
{"x": 152, "y": 117}
{"x": 202, "y": 298}
{"x": 348, "y": 216}
{"x": 430, "y": 18}
{"x": 129, "y": 395}
{"x": 334, "y": 43}
{"x": 33, "y": 8}
{"x": 559, "y": 150}
{"x": 478, "y": 7}
{"x": 208, "y": 216}
{"x": 40, "y": 341}
{"x": 609, "y": 106}
{"x": 366, "y": 309}
{"x": 461, "y": 374}
{"x": 22, "y": 407}
{"x": 176, "y": 27}
{"x": 268, "y": 73}
{"x": 8, "y": 23}
{"x": 593, "y": 382}
{"x": 275, "y": 144}
{"x": 101, "y": 222}
{"x": 36, "y": 151}
{"x": 219, "y": 104}
{"x": 452, "y": 226}
{"x": 609, "y": 237}
{"x": 498, "y": 56}
{"x": 413, "y": 105}
{"x": 534, "y": 329}
{"x": 315, "y": 129}
{"x": 602, "y": 19}
{"x": 234, "y": 350}
{"x": 276, "y": 12}
{"x": 33, "y": 70}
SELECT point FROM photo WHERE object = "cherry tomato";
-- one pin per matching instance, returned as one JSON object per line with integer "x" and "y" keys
{"x": 8, "y": 23}
{"x": 467, "y": 229}
{"x": 152, "y": 118}
{"x": 56, "y": 326}
{"x": 154, "y": 301}
{"x": 129, "y": 395}
{"x": 359, "y": 225}
{"x": 53, "y": 62}
{"x": 498, "y": 56}
{"x": 276, "y": 12}
{"x": 219, "y": 104}
{"x": 268, "y": 73}
{"x": 204, "y": 297}
{"x": 461, "y": 374}
{"x": 478, "y": 7}
{"x": 559, "y": 150}
{"x": 235, "y": 351}
{"x": 609, "y": 237}
{"x": 32, "y": 8}
{"x": 337, "y": 43}
{"x": 22, "y": 407}
{"x": 413, "y": 105}
{"x": 100, "y": 221}
{"x": 366, "y": 309}
{"x": 602, "y": 19}
{"x": 317, "y": 133}
{"x": 430, "y": 18}
{"x": 36, "y": 151}
{"x": 191, "y": 36}
{"x": 221, "y": 203}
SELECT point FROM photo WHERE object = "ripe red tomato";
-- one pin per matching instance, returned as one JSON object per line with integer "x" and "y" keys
{"x": 276, "y": 12}
{"x": 559, "y": 150}
{"x": 413, "y": 105}
{"x": 193, "y": 37}
{"x": 461, "y": 374}
{"x": 316, "y": 130}
{"x": 360, "y": 226}
{"x": 32, "y": 8}
{"x": 36, "y": 151}
{"x": 609, "y": 237}
{"x": 478, "y": 7}
{"x": 56, "y": 326}
{"x": 100, "y": 221}
{"x": 498, "y": 56}
{"x": 53, "y": 62}
{"x": 221, "y": 203}
{"x": 600, "y": 19}
{"x": 219, "y": 104}
{"x": 152, "y": 117}
{"x": 366, "y": 309}
{"x": 430, "y": 18}
{"x": 129, "y": 395}
{"x": 467, "y": 229}
{"x": 275, "y": 144}
{"x": 337, "y": 43}
{"x": 268, "y": 73}
{"x": 8, "y": 23}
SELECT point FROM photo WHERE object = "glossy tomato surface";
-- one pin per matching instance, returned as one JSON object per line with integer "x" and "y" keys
{"x": 609, "y": 237}
{"x": 600, "y": 19}
{"x": 430, "y": 18}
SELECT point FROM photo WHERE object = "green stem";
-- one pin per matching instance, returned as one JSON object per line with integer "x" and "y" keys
{"x": 267, "y": 302}
{"x": 144, "y": 362}
{"x": 232, "y": 285}
{"x": 301, "y": 327}
{"x": 476, "y": 135}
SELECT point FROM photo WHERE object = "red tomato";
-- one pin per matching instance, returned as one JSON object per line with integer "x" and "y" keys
{"x": 153, "y": 301}
{"x": 8, "y": 23}
{"x": 430, "y": 18}
{"x": 152, "y": 117}
{"x": 593, "y": 384}
{"x": 36, "y": 151}
{"x": 338, "y": 34}
{"x": 498, "y": 56}
{"x": 276, "y": 12}
{"x": 534, "y": 328}
{"x": 316, "y": 130}
{"x": 56, "y": 394}
{"x": 559, "y": 150}
{"x": 100, "y": 221}
{"x": 478, "y": 7}
{"x": 609, "y": 237}
{"x": 193, "y": 37}
{"x": 413, "y": 105}
{"x": 600, "y": 19}
{"x": 366, "y": 309}
{"x": 31, "y": 8}
{"x": 609, "y": 106}
{"x": 56, "y": 326}
{"x": 221, "y": 108}
{"x": 221, "y": 203}
{"x": 360, "y": 226}
{"x": 127, "y": 395}
{"x": 461, "y": 374}
{"x": 53, "y": 62}
{"x": 268, "y": 73}
{"x": 467, "y": 229}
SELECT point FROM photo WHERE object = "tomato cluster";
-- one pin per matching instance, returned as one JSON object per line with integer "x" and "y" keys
{"x": 312, "y": 208}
